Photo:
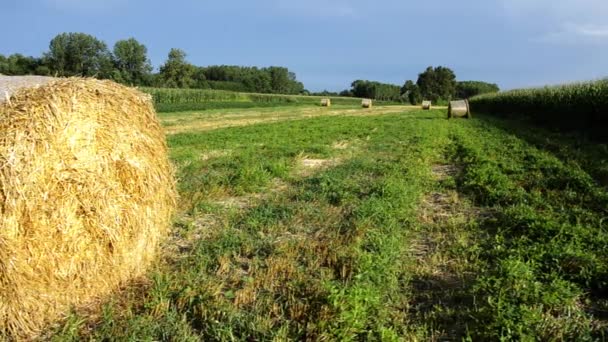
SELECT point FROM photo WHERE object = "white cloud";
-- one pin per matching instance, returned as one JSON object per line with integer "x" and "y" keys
{"x": 574, "y": 34}
{"x": 590, "y": 31}
{"x": 558, "y": 9}
{"x": 560, "y": 21}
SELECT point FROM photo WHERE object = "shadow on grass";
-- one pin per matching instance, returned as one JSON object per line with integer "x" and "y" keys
{"x": 570, "y": 147}
{"x": 444, "y": 303}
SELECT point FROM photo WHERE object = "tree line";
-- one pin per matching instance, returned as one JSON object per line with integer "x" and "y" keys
{"x": 375, "y": 90}
{"x": 80, "y": 54}
{"x": 437, "y": 84}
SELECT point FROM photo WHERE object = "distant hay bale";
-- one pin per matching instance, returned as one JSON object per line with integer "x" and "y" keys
{"x": 325, "y": 102}
{"x": 366, "y": 103}
{"x": 459, "y": 109}
{"x": 426, "y": 105}
{"x": 86, "y": 194}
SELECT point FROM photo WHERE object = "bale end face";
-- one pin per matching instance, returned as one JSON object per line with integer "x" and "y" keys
{"x": 88, "y": 193}
{"x": 459, "y": 109}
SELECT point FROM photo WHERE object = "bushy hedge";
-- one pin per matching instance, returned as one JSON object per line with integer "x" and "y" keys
{"x": 577, "y": 106}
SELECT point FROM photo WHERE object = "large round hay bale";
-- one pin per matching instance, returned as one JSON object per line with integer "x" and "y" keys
{"x": 325, "y": 102}
{"x": 459, "y": 109}
{"x": 366, "y": 103}
{"x": 86, "y": 194}
{"x": 426, "y": 105}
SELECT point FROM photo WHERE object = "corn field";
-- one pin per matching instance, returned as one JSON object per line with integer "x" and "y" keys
{"x": 577, "y": 106}
{"x": 175, "y": 96}
{"x": 199, "y": 96}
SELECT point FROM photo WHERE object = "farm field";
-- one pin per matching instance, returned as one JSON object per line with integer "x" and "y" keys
{"x": 300, "y": 223}
{"x": 182, "y": 122}
{"x": 181, "y": 100}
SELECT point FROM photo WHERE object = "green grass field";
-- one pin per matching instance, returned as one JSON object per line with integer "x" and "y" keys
{"x": 388, "y": 224}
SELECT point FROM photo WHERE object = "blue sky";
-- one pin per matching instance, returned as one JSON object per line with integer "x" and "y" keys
{"x": 330, "y": 43}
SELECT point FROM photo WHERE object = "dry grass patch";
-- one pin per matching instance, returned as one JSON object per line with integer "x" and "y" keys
{"x": 174, "y": 124}
{"x": 317, "y": 163}
{"x": 256, "y": 284}
{"x": 441, "y": 274}
{"x": 309, "y": 166}
{"x": 214, "y": 154}
{"x": 440, "y": 207}
{"x": 444, "y": 171}
{"x": 276, "y": 187}
{"x": 189, "y": 230}
{"x": 341, "y": 145}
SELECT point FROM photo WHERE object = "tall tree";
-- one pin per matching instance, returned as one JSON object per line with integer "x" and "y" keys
{"x": 376, "y": 90}
{"x": 199, "y": 80}
{"x": 361, "y": 88}
{"x": 253, "y": 79}
{"x": 177, "y": 72}
{"x": 346, "y": 93}
{"x": 437, "y": 83}
{"x": 78, "y": 54}
{"x": 279, "y": 80}
{"x": 131, "y": 62}
{"x": 258, "y": 81}
{"x": 295, "y": 86}
{"x": 411, "y": 92}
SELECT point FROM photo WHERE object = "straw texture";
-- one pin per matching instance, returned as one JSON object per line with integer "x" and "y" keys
{"x": 426, "y": 105}
{"x": 366, "y": 103}
{"x": 325, "y": 102}
{"x": 86, "y": 193}
{"x": 10, "y": 84}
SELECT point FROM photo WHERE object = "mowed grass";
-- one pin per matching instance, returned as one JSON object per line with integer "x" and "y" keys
{"x": 197, "y": 121}
{"x": 396, "y": 226}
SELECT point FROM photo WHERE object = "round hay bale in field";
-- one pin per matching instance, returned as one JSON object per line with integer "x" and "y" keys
{"x": 325, "y": 102}
{"x": 426, "y": 105}
{"x": 86, "y": 194}
{"x": 366, "y": 103}
{"x": 459, "y": 109}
